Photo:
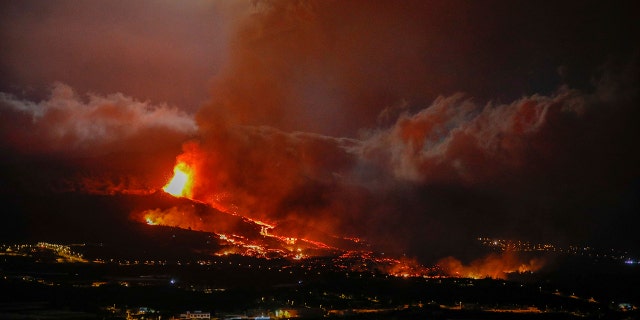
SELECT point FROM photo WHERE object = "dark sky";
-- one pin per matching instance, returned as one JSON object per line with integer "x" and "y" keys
{"x": 411, "y": 123}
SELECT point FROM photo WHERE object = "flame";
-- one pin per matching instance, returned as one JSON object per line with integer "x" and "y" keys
{"x": 493, "y": 266}
{"x": 181, "y": 183}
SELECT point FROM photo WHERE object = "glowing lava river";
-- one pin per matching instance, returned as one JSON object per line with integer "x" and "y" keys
{"x": 236, "y": 233}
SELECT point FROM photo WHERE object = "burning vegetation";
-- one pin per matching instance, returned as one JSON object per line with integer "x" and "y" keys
{"x": 496, "y": 266}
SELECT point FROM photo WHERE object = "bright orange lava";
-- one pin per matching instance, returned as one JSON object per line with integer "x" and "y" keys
{"x": 182, "y": 182}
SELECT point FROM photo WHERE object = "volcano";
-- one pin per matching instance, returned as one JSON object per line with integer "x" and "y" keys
{"x": 116, "y": 227}
{"x": 119, "y": 221}
{"x": 118, "y": 217}
{"x": 150, "y": 221}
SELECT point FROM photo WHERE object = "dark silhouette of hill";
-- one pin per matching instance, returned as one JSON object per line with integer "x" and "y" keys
{"x": 101, "y": 220}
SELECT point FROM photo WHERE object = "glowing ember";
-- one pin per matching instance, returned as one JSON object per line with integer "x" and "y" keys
{"x": 182, "y": 181}
{"x": 149, "y": 221}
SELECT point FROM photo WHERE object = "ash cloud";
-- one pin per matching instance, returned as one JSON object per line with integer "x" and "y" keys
{"x": 458, "y": 141}
{"x": 100, "y": 144}
{"x": 146, "y": 66}
{"x": 539, "y": 167}
{"x": 332, "y": 67}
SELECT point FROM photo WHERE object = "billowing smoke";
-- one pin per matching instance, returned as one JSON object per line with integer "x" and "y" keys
{"x": 458, "y": 141}
{"x": 416, "y": 175}
{"x": 452, "y": 155}
{"x": 334, "y": 67}
{"x": 100, "y": 125}
{"x": 269, "y": 174}
{"x": 109, "y": 143}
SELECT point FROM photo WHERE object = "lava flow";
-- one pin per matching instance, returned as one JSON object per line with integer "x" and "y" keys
{"x": 182, "y": 182}
{"x": 241, "y": 235}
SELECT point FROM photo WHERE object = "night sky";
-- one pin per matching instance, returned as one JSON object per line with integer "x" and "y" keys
{"x": 417, "y": 125}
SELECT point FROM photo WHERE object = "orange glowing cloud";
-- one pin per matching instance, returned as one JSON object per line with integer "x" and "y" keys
{"x": 92, "y": 124}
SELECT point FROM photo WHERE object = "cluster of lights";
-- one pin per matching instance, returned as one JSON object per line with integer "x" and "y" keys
{"x": 64, "y": 252}
{"x": 525, "y": 246}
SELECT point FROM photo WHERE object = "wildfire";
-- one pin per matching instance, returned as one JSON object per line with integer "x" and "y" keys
{"x": 181, "y": 183}
{"x": 494, "y": 266}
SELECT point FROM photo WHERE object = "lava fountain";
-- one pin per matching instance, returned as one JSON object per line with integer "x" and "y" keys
{"x": 181, "y": 184}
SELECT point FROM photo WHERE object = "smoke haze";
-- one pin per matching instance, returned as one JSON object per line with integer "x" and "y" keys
{"x": 103, "y": 124}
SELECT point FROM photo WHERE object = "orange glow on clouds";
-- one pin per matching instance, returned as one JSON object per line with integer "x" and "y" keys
{"x": 181, "y": 183}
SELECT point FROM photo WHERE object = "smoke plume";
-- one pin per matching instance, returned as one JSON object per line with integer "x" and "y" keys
{"x": 107, "y": 144}
{"x": 416, "y": 174}
{"x": 102, "y": 124}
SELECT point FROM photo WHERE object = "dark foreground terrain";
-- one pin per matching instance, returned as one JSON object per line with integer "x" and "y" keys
{"x": 38, "y": 283}
{"x": 101, "y": 264}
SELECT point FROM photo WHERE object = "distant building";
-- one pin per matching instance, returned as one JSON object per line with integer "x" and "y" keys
{"x": 142, "y": 313}
{"x": 195, "y": 315}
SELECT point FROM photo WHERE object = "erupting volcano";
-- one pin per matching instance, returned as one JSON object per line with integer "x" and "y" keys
{"x": 237, "y": 234}
{"x": 299, "y": 129}
{"x": 181, "y": 183}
